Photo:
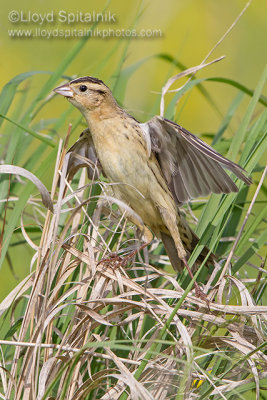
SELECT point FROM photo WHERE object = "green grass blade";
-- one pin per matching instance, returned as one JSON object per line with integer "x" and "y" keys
{"x": 227, "y": 119}
{"x": 23, "y": 197}
{"x": 30, "y": 131}
{"x": 262, "y": 99}
{"x": 240, "y": 134}
{"x": 253, "y": 249}
{"x": 254, "y": 154}
{"x": 9, "y": 90}
{"x": 254, "y": 225}
{"x": 178, "y": 64}
{"x": 117, "y": 73}
{"x": 256, "y": 97}
{"x": 70, "y": 57}
{"x": 124, "y": 79}
{"x": 256, "y": 136}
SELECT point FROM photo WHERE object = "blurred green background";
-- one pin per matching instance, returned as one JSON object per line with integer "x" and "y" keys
{"x": 189, "y": 29}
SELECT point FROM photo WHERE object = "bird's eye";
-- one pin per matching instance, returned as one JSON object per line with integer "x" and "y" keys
{"x": 83, "y": 88}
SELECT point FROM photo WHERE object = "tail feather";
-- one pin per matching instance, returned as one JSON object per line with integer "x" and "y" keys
{"x": 171, "y": 250}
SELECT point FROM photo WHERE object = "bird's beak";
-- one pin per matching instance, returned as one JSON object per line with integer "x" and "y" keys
{"x": 65, "y": 90}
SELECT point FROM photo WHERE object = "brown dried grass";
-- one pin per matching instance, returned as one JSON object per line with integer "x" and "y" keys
{"x": 87, "y": 326}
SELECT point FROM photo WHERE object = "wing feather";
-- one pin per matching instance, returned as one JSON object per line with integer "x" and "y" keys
{"x": 83, "y": 154}
{"x": 209, "y": 151}
{"x": 191, "y": 167}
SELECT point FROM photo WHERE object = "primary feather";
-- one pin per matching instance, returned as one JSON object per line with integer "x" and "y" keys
{"x": 190, "y": 167}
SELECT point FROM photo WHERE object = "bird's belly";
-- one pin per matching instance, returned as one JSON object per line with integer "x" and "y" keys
{"x": 132, "y": 178}
{"x": 126, "y": 166}
{"x": 143, "y": 206}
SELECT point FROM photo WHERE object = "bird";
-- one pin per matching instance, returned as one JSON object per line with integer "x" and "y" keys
{"x": 156, "y": 166}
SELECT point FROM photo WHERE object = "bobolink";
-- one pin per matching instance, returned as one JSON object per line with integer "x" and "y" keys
{"x": 157, "y": 165}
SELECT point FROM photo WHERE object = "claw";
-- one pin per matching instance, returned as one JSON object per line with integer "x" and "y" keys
{"x": 122, "y": 261}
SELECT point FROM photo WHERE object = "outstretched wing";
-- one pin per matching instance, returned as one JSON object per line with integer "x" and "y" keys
{"x": 191, "y": 167}
{"x": 83, "y": 154}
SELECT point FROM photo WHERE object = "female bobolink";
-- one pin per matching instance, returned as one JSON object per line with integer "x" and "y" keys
{"x": 157, "y": 165}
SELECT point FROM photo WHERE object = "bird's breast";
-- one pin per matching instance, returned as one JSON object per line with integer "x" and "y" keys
{"x": 122, "y": 152}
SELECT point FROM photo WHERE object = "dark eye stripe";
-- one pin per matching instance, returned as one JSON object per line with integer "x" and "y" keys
{"x": 100, "y": 91}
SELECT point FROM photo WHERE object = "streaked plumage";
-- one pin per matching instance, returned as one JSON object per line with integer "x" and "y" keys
{"x": 158, "y": 164}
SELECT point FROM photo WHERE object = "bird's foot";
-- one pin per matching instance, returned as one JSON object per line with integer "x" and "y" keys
{"x": 133, "y": 253}
{"x": 199, "y": 292}
{"x": 115, "y": 260}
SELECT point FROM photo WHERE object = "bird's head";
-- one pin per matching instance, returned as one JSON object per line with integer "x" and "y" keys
{"x": 87, "y": 94}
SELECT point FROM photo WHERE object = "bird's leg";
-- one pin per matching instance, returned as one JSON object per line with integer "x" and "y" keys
{"x": 199, "y": 292}
{"x": 172, "y": 226}
{"x": 148, "y": 237}
{"x": 122, "y": 261}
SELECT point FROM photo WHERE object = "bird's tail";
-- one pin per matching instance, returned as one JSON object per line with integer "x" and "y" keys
{"x": 172, "y": 253}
